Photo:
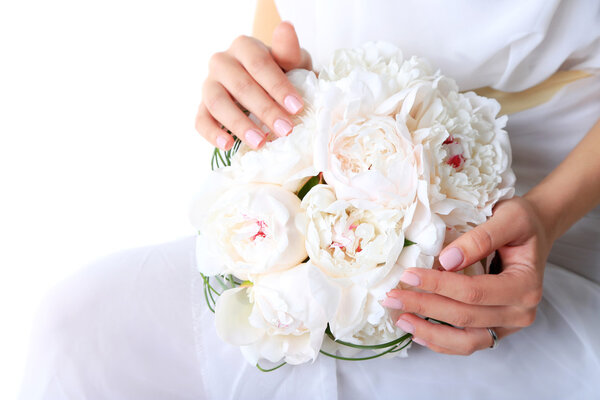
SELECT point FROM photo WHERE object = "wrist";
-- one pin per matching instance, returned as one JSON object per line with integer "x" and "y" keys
{"x": 548, "y": 211}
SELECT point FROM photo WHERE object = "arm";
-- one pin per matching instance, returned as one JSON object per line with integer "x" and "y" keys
{"x": 266, "y": 19}
{"x": 572, "y": 189}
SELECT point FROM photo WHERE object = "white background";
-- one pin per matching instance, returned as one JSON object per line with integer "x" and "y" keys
{"x": 98, "y": 150}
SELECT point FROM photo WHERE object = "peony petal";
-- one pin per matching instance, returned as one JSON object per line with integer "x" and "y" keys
{"x": 231, "y": 318}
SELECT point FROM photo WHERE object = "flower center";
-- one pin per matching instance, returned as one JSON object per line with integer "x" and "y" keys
{"x": 455, "y": 157}
{"x": 261, "y": 225}
{"x": 344, "y": 237}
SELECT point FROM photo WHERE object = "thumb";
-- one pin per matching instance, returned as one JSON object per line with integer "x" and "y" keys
{"x": 477, "y": 243}
{"x": 286, "y": 50}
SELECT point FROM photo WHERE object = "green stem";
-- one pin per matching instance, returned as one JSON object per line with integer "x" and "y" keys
{"x": 358, "y": 358}
{"x": 369, "y": 347}
{"x": 270, "y": 369}
{"x": 221, "y": 157}
{"x": 221, "y": 282}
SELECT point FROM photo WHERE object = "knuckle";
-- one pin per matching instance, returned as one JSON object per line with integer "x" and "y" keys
{"x": 238, "y": 125}
{"x": 199, "y": 125}
{"x": 532, "y": 298}
{"x": 280, "y": 85}
{"x": 418, "y": 304}
{"x": 474, "y": 295}
{"x": 527, "y": 319}
{"x": 240, "y": 41}
{"x": 242, "y": 84}
{"x": 434, "y": 283}
{"x": 266, "y": 110}
{"x": 482, "y": 240}
{"x": 259, "y": 61}
{"x": 469, "y": 349}
{"x": 213, "y": 101}
{"x": 216, "y": 60}
{"x": 462, "y": 319}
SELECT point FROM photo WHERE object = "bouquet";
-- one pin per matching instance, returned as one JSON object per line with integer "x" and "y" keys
{"x": 299, "y": 242}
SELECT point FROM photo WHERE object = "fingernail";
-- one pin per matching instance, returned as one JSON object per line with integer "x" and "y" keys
{"x": 292, "y": 104}
{"x": 419, "y": 341}
{"x": 451, "y": 258}
{"x": 405, "y": 326}
{"x": 392, "y": 302}
{"x": 410, "y": 279}
{"x": 254, "y": 138}
{"x": 282, "y": 127}
{"x": 222, "y": 142}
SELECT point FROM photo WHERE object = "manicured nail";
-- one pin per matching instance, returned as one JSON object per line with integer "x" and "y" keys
{"x": 392, "y": 302}
{"x": 451, "y": 258}
{"x": 254, "y": 138}
{"x": 410, "y": 279}
{"x": 419, "y": 341}
{"x": 222, "y": 141}
{"x": 292, "y": 104}
{"x": 282, "y": 127}
{"x": 405, "y": 326}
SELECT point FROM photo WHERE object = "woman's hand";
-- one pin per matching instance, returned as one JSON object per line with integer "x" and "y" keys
{"x": 251, "y": 74}
{"x": 505, "y": 302}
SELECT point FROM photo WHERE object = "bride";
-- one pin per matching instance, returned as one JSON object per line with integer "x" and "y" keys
{"x": 135, "y": 326}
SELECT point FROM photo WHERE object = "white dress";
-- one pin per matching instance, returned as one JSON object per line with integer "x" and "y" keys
{"x": 135, "y": 325}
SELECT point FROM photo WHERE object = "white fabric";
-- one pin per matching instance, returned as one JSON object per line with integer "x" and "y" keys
{"x": 135, "y": 324}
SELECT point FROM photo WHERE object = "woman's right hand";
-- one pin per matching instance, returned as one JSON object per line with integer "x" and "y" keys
{"x": 253, "y": 75}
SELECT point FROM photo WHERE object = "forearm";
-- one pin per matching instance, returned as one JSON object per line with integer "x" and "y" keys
{"x": 572, "y": 189}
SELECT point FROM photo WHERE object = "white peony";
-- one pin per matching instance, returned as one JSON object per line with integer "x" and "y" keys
{"x": 360, "y": 311}
{"x": 354, "y": 239}
{"x": 467, "y": 156}
{"x": 246, "y": 229}
{"x": 360, "y": 245}
{"x": 281, "y": 316}
{"x": 360, "y": 154}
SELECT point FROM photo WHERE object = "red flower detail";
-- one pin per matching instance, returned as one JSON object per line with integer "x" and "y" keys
{"x": 449, "y": 140}
{"x": 261, "y": 234}
{"x": 456, "y": 161}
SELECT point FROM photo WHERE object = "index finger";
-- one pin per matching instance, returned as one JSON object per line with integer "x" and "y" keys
{"x": 511, "y": 287}
{"x": 262, "y": 67}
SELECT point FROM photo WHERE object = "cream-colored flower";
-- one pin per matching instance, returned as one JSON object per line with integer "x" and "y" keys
{"x": 467, "y": 156}
{"x": 360, "y": 245}
{"x": 282, "y": 316}
{"x": 354, "y": 239}
{"x": 369, "y": 158}
{"x": 246, "y": 229}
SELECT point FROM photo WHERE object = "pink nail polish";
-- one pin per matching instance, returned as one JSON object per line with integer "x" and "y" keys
{"x": 410, "y": 279}
{"x": 451, "y": 258}
{"x": 392, "y": 302}
{"x": 222, "y": 142}
{"x": 419, "y": 341}
{"x": 405, "y": 326}
{"x": 255, "y": 138}
{"x": 292, "y": 104}
{"x": 282, "y": 127}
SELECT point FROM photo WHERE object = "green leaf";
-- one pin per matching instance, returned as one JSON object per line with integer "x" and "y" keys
{"x": 312, "y": 182}
{"x": 408, "y": 242}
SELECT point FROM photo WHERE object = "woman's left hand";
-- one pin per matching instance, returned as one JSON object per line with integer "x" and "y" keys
{"x": 505, "y": 302}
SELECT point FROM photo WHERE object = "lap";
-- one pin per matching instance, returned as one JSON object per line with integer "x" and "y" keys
{"x": 134, "y": 325}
